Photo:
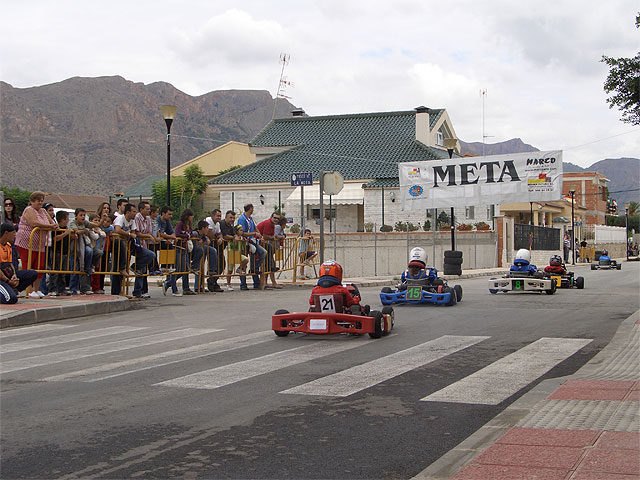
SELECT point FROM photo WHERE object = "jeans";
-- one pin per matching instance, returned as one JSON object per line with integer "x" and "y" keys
{"x": 144, "y": 258}
{"x": 8, "y": 293}
{"x": 182, "y": 265}
{"x": 255, "y": 267}
{"x": 212, "y": 258}
{"x": 82, "y": 282}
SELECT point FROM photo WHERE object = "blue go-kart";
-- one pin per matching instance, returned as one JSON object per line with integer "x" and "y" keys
{"x": 421, "y": 292}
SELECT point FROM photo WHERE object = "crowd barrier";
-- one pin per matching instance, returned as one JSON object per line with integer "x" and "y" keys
{"x": 114, "y": 255}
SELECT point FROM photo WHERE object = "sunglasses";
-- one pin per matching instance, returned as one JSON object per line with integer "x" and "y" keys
{"x": 9, "y": 205}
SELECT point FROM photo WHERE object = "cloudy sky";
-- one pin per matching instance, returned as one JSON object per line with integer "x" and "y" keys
{"x": 538, "y": 61}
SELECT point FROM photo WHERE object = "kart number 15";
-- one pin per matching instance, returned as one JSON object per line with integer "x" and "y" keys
{"x": 414, "y": 293}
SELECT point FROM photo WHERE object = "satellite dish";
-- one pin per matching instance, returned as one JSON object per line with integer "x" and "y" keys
{"x": 333, "y": 183}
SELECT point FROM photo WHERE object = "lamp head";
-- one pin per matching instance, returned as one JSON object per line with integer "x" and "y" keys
{"x": 168, "y": 113}
{"x": 572, "y": 189}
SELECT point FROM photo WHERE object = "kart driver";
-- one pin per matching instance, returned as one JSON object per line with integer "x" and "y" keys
{"x": 417, "y": 268}
{"x": 330, "y": 282}
{"x": 556, "y": 265}
{"x": 604, "y": 256}
{"x": 522, "y": 262}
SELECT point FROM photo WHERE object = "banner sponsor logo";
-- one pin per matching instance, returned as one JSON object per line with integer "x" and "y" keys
{"x": 520, "y": 177}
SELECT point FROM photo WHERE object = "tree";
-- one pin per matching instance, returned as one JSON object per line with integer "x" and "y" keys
{"x": 633, "y": 208}
{"x": 624, "y": 82}
{"x": 184, "y": 190}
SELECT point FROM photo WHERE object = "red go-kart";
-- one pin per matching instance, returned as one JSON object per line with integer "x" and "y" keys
{"x": 328, "y": 315}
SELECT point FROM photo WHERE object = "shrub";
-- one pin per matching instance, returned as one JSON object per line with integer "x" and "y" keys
{"x": 386, "y": 228}
{"x": 464, "y": 227}
{"x": 482, "y": 226}
{"x": 426, "y": 226}
{"x": 400, "y": 227}
{"x": 295, "y": 228}
{"x": 368, "y": 227}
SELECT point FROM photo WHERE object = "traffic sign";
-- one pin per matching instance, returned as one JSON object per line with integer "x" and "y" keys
{"x": 333, "y": 182}
{"x": 301, "y": 179}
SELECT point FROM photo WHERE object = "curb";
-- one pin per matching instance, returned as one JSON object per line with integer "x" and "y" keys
{"x": 48, "y": 314}
{"x": 456, "y": 458}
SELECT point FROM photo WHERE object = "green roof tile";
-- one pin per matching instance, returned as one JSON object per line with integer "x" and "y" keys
{"x": 359, "y": 146}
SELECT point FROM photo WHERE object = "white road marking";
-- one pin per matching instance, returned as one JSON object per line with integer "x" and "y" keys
{"x": 4, "y": 333}
{"x": 355, "y": 379}
{"x": 151, "y": 361}
{"x": 84, "y": 352}
{"x": 498, "y": 381}
{"x": 228, "y": 374}
{"x": 70, "y": 337}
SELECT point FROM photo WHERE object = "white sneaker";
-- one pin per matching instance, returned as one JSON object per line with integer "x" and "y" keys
{"x": 40, "y": 294}
{"x": 34, "y": 294}
{"x": 229, "y": 288}
{"x": 177, "y": 294}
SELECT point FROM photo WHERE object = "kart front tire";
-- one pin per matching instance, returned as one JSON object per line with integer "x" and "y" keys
{"x": 580, "y": 283}
{"x": 619, "y": 266}
{"x": 593, "y": 266}
{"x": 377, "y": 324}
{"x": 281, "y": 333}
{"x": 355, "y": 309}
{"x": 552, "y": 290}
{"x": 493, "y": 291}
{"x": 458, "y": 290}
{"x": 452, "y": 298}
{"x": 386, "y": 290}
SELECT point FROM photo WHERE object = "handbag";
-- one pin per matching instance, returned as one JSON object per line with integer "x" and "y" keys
{"x": 189, "y": 246}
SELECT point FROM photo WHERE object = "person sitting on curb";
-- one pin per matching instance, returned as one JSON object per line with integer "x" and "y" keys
{"x": 12, "y": 280}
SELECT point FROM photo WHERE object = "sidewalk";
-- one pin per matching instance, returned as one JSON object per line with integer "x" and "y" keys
{"x": 585, "y": 426}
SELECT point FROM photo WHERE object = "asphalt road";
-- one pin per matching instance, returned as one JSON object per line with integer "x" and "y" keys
{"x": 199, "y": 387}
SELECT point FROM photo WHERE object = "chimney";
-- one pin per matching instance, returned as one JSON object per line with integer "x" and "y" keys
{"x": 297, "y": 113}
{"x": 422, "y": 124}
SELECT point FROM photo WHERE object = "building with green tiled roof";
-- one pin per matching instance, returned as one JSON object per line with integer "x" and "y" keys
{"x": 365, "y": 148}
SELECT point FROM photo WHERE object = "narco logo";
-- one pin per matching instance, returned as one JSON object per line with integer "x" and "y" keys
{"x": 540, "y": 161}
{"x": 469, "y": 173}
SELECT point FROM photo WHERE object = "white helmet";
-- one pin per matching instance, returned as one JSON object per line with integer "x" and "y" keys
{"x": 418, "y": 258}
{"x": 523, "y": 256}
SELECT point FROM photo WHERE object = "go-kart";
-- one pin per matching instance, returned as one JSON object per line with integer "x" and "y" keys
{"x": 605, "y": 263}
{"x": 421, "y": 291}
{"x": 329, "y": 315}
{"x": 566, "y": 280}
{"x": 522, "y": 282}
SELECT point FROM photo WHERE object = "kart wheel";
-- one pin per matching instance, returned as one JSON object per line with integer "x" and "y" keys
{"x": 552, "y": 290}
{"x": 355, "y": 309}
{"x": 593, "y": 266}
{"x": 281, "y": 333}
{"x": 619, "y": 266}
{"x": 452, "y": 299}
{"x": 458, "y": 290}
{"x": 438, "y": 281}
{"x": 493, "y": 291}
{"x": 386, "y": 290}
{"x": 367, "y": 310}
{"x": 452, "y": 254}
{"x": 377, "y": 324}
{"x": 389, "y": 311}
{"x": 580, "y": 283}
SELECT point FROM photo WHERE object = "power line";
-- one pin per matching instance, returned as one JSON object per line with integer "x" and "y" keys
{"x": 602, "y": 139}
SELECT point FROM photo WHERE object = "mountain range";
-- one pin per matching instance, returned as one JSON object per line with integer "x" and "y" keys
{"x": 100, "y": 135}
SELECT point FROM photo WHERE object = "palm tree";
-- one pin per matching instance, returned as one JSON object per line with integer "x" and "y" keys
{"x": 633, "y": 208}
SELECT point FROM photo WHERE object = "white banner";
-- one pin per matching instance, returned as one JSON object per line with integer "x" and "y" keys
{"x": 460, "y": 182}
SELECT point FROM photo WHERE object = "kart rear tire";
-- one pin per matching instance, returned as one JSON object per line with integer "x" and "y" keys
{"x": 389, "y": 311}
{"x": 386, "y": 290}
{"x": 593, "y": 266}
{"x": 281, "y": 333}
{"x": 552, "y": 290}
{"x": 458, "y": 290}
{"x": 377, "y": 324}
{"x": 452, "y": 298}
{"x": 452, "y": 254}
{"x": 619, "y": 266}
{"x": 580, "y": 283}
{"x": 493, "y": 291}
{"x": 367, "y": 310}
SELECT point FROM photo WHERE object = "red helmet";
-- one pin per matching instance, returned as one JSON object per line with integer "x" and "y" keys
{"x": 332, "y": 269}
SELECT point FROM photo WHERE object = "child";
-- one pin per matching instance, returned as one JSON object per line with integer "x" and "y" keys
{"x": 522, "y": 263}
{"x": 556, "y": 266}
{"x": 305, "y": 252}
{"x": 211, "y": 255}
{"x": 236, "y": 245}
{"x": 417, "y": 269}
{"x": 61, "y": 241}
{"x": 330, "y": 282}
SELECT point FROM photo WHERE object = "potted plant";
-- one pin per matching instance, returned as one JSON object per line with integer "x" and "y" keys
{"x": 464, "y": 227}
{"x": 482, "y": 226}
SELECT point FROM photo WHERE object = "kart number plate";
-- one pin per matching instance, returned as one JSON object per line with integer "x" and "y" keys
{"x": 557, "y": 279}
{"x": 327, "y": 304}
{"x": 414, "y": 293}
{"x": 317, "y": 324}
{"x": 518, "y": 284}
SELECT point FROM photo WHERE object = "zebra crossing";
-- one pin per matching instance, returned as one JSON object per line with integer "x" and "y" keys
{"x": 124, "y": 350}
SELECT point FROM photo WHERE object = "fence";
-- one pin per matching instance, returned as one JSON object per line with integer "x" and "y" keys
{"x": 533, "y": 237}
{"x": 600, "y": 234}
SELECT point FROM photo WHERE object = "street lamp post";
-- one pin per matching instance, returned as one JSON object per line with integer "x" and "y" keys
{"x": 450, "y": 145}
{"x": 168, "y": 113}
{"x": 572, "y": 191}
{"x": 626, "y": 227}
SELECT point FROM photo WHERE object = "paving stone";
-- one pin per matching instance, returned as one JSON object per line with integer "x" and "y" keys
{"x": 549, "y": 437}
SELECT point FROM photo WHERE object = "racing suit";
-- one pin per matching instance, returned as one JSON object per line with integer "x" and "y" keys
{"x": 348, "y": 299}
{"x": 523, "y": 266}
{"x": 426, "y": 273}
{"x": 557, "y": 269}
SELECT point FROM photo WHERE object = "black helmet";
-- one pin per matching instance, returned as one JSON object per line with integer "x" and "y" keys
{"x": 605, "y": 252}
{"x": 555, "y": 260}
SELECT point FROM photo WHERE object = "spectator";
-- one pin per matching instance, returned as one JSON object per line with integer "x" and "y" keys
{"x": 566, "y": 247}
{"x": 34, "y": 216}
{"x": 228, "y": 234}
{"x": 10, "y": 214}
{"x": 167, "y": 239}
{"x": 144, "y": 239}
{"x": 583, "y": 245}
{"x": 12, "y": 280}
{"x": 184, "y": 231}
{"x": 235, "y": 247}
{"x": 211, "y": 255}
{"x": 155, "y": 229}
{"x": 215, "y": 236}
{"x": 104, "y": 244}
{"x": 250, "y": 232}
{"x": 60, "y": 260}
{"x": 103, "y": 208}
{"x": 120, "y": 204}
{"x": 44, "y": 283}
{"x": 267, "y": 230}
{"x": 81, "y": 253}
{"x": 305, "y": 252}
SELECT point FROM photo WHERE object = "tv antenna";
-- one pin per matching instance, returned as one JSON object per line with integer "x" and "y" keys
{"x": 282, "y": 84}
{"x": 483, "y": 94}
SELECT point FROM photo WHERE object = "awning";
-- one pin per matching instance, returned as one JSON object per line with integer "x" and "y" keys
{"x": 351, "y": 194}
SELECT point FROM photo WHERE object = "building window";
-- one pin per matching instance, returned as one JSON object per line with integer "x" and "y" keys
{"x": 469, "y": 212}
{"x": 439, "y": 139}
{"x": 315, "y": 213}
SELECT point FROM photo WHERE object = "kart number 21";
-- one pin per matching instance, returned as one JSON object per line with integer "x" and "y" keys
{"x": 327, "y": 304}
